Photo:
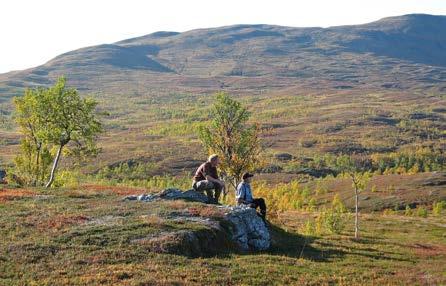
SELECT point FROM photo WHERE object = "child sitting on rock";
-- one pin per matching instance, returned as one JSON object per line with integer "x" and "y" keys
{"x": 244, "y": 195}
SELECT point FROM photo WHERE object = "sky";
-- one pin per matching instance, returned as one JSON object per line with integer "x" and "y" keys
{"x": 35, "y": 31}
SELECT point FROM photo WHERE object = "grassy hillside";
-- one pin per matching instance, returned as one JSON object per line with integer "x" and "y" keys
{"x": 89, "y": 236}
{"x": 161, "y": 130}
{"x": 376, "y": 88}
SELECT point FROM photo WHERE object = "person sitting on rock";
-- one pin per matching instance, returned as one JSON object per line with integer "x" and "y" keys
{"x": 244, "y": 195}
{"x": 206, "y": 179}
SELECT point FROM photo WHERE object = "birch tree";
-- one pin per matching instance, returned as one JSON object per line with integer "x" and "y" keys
{"x": 69, "y": 119}
{"x": 35, "y": 158}
{"x": 231, "y": 137}
{"x": 58, "y": 119}
{"x": 355, "y": 170}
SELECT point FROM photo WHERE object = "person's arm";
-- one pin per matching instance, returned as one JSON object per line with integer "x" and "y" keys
{"x": 213, "y": 180}
{"x": 241, "y": 194}
{"x": 207, "y": 171}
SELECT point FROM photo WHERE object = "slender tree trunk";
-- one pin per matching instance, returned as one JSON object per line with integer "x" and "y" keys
{"x": 53, "y": 170}
{"x": 356, "y": 213}
{"x": 36, "y": 179}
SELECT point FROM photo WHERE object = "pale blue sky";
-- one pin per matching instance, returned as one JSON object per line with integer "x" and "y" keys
{"x": 34, "y": 31}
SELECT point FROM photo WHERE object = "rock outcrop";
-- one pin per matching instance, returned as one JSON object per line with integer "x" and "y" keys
{"x": 249, "y": 231}
{"x": 238, "y": 227}
{"x": 172, "y": 194}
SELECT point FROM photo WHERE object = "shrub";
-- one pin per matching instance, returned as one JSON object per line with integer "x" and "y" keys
{"x": 67, "y": 178}
{"x": 421, "y": 211}
{"x": 438, "y": 208}
{"x": 308, "y": 228}
{"x": 331, "y": 220}
{"x": 311, "y": 204}
{"x": 334, "y": 221}
{"x": 388, "y": 212}
{"x": 411, "y": 160}
{"x": 408, "y": 211}
{"x": 320, "y": 189}
{"x": 308, "y": 143}
{"x": 283, "y": 197}
{"x": 152, "y": 183}
{"x": 127, "y": 170}
{"x": 397, "y": 206}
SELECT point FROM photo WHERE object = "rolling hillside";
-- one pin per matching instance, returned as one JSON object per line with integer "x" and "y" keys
{"x": 376, "y": 91}
{"x": 396, "y": 52}
{"x": 375, "y": 88}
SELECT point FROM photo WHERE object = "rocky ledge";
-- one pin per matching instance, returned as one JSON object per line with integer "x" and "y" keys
{"x": 236, "y": 227}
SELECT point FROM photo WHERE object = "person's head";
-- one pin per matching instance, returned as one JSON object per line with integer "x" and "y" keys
{"x": 247, "y": 177}
{"x": 214, "y": 160}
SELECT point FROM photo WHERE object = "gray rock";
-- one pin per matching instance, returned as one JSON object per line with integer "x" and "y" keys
{"x": 283, "y": 156}
{"x": 249, "y": 231}
{"x": 246, "y": 229}
{"x": 171, "y": 194}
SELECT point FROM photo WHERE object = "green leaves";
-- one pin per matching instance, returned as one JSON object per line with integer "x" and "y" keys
{"x": 228, "y": 135}
{"x": 53, "y": 118}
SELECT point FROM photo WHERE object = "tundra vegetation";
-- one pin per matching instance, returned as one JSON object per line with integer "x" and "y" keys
{"x": 307, "y": 173}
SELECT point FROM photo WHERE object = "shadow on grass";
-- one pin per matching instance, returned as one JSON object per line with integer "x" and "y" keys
{"x": 381, "y": 250}
{"x": 298, "y": 246}
{"x": 295, "y": 245}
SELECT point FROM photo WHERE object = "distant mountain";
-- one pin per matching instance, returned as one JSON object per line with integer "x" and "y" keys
{"x": 397, "y": 52}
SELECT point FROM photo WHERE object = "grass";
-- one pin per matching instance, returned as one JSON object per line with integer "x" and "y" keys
{"x": 162, "y": 125}
{"x": 85, "y": 235}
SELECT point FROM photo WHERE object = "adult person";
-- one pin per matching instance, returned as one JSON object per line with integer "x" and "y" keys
{"x": 244, "y": 195}
{"x": 206, "y": 179}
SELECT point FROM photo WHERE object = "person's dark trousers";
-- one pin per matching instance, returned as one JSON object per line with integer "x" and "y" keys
{"x": 260, "y": 203}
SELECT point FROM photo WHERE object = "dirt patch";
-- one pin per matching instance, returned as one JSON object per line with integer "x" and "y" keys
{"x": 9, "y": 195}
{"x": 428, "y": 250}
{"x": 61, "y": 221}
{"x": 206, "y": 211}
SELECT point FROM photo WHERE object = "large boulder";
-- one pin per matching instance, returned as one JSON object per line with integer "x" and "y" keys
{"x": 240, "y": 225}
{"x": 249, "y": 231}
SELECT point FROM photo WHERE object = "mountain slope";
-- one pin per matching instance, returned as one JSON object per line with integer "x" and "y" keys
{"x": 395, "y": 52}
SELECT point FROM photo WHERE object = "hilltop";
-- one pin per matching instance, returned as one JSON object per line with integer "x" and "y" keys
{"x": 396, "y": 52}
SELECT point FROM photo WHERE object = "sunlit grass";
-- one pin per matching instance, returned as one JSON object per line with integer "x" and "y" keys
{"x": 83, "y": 236}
